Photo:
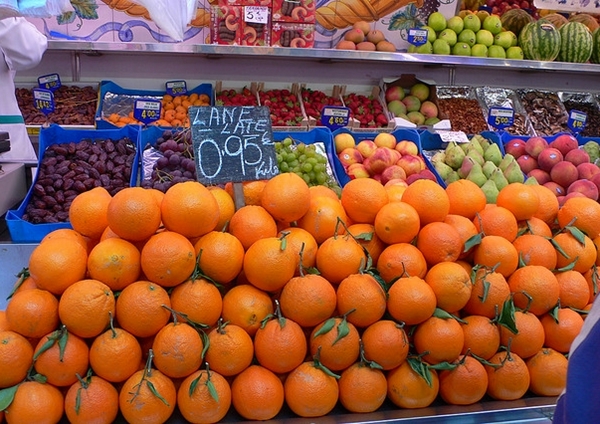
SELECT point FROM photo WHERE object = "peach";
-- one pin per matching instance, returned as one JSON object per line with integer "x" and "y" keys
{"x": 349, "y": 156}
{"x": 343, "y": 141}
{"x": 565, "y": 143}
{"x": 407, "y": 147}
{"x": 427, "y": 174}
{"x": 527, "y": 163}
{"x": 385, "y": 140}
{"x": 570, "y": 196}
{"x": 541, "y": 176}
{"x": 411, "y": 164}
{"x": 585, "y": 187}
{"x": 557, "y": 189}
{"x": 587, "y": 170}
{"x": 596, "y": 180}
{"x": 366, "y": 148}
{"x": 398, "y": 182}
{"x": 428, "y": 109}
{"x": 534, "y": 146}
{"x": 577, "y": 156}
{"x": 394, "y": 172}
{"x": 376, "y": 177}
{"x": 515, "y": 147}
{"x": 548, "y": 158}
{"x": 564, "y": 173}
{"x": 381, "y": 159}
{"x": 357, "y": 170}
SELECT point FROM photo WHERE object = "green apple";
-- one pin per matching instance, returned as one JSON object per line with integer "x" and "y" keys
{"x": 441, "y": 47}
{"x": 467, "y": 36}
{"x": 455, "y": 23}
{"x": 472, "y": 22}
{"x": 493, "y": 24}
{"x": 503, "y": 39}
{"x": 431, "y": 35}
{"x": 412, "y": 48}
{"x": 426, "y": 48}
{"x": 479, "y": 50}
{"x": 449, "y": 36}
{"x": 484, "y": 37}
{"x": 514, "y": 52}
{"x": 437, "y": 21}
{"x": 461, "y": 49}
{"x": 515, "y": 40}
{"x": 496, "y": 51}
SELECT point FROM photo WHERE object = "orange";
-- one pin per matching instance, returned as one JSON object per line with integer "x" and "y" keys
{"x": 32, "y": 313}
{"x": 115, "y": 355}
{"x": 466, "y": 198}
{"x": 48, "y": 401}
{"x": 204, "y": 396}
{"x": 225, "y": 204}
{"x": 269, "y": 264}
{"x": 69, "y": 234}
{"x": 246, "y": 306}
{"x": 139, "y": 308}
{"x": 535, "y": 250}
{"x": 362, "y": 389}
{"x": 498, "y": 253}
{"x": 429, "y": 199}
{"x": 147, "y": 396}
{"x": 581, "y": 212}
{"x": 115, "y": 262}
{"x": 508, "y": 376}
{"x": 366, "y": 236}
{"x": 439, "y": 339}
{"x": 520, "y": 199}
{"x": 338, "y": 257}
{"x": 535, "y": 226}
{"x": 401, "y": 260}
{"x": 451, "y": 284}
{"x": 397, "y": 222}
{"x": 286, "y": 197}
{"x": 176, "y": 350}
{"x": 310, "y": 392}
{"x": 189, "y": 209}
{"x": 362, "y": 198}
{"x": 591, "y": 277}
{"x": 67, "y": 356}
{"x": 319, "y": 190}
{"x": 537, "y": 283}
{"x": 299, "y": 240}
{"x": 548, "y": 372}
{"x": 56, "y": 264}
{"x": 87, "y": 213}
{"x": 528, "y": 339}
{"x": 133, "y": 214}
{"x": 280, "y": 345}
{"x": 548, "y": 204}
{"x": 561, "y": 332}
{"x": 308, "y": 300}
{"x": 321, "y": 219}
{"x": 395, "y": 192}
{"x": 251, "y": 223}
{"x": 252, "y": 191}
{"x": 199, "y": 300}
{"x": 338, "y": 349}
{"x": 220, "y": 256}
{"x": 464, "y": 385}
{"x": 364, "y": 296}
{"x": 582, "y": 255}
{"x": 497, "y": 221}
{"x": 574, "y": 292}
{"x": 168, "y": 259}
{"x": 230, "y": 349}
{"x": 86, "y": 308}
{"x": 411, "y": 300}
{"x": 465, "y": 228}
{"x": 257, "y": 393}
{"x": 92, "y": 400}
{"x": 407, "y": 389}
{"x": 385, "y": 342}
{"x": 16, "y": 357}
{"x": 482, "y": 336}
{"x": 439, "y": 242}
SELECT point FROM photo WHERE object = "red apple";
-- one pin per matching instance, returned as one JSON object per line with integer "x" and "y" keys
{"x": 587, "y": 170}
{"x": 585, "y": 187}
{"x": 527, "y": 163}
{"x": 393, "y": 172}
{"x": 515, "y": 147}
{"x": 407, "y": 147}
{"x": 565, "y": 143}
{"x": 548, "y": 158}
{"x": 381, "y": 159}
{"x": 394, "y": 93}
{"x": 564, "y": 173}
{"x": 534, "y": 146}
{"x": 411, "y": 164}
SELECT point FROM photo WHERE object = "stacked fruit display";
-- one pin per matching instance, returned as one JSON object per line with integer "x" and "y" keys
{"x": 362, "y": 37}
{"x": 412, "y": 103}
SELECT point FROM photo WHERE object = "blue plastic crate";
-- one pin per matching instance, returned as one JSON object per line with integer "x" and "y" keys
{"x": 22, "y": 231}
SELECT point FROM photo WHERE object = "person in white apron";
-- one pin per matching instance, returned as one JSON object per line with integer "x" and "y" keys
{"x": 21, "y": 47}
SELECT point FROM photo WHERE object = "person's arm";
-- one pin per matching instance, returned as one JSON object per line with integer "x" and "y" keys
{"x": 21, "y": 43}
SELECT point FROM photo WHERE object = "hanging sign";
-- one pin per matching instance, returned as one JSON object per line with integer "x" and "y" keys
{"x": 417, "y": 36}
{"x": 335, "y": 117}
{"x": 43, "y": 100}
{"x": 501, "y": 117}
{"x": 49, "y": 82}
{"x": 577, "y": 120}
{"x": 176, "y": 88}
{"x": 147, "y": 110}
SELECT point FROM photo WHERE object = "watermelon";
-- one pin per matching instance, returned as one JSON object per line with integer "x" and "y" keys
{"x": 556, "y": 19}
{"x": 588, "y": 20}
{"x": 540, "y": 40}
{"x": 577, "y": 43}
{"x": 595, "y": 57}
{"x": 515, "y": 19}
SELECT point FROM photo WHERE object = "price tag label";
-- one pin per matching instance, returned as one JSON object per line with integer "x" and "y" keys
{"x": 256, "y": 14}
{"x": 453, "y": 136}
{"x": 417, "y": 36}
{"x": 49, "y": 82}
{"x": 147, "y": 111}
{"x": 233, "y": 143}
{"x": 501, "y": 117}
{"x": 577, "y": 120}
{"x": 176, "y": 88}
{"x": 335, "y": 117}
{"x": 43, "y": 100}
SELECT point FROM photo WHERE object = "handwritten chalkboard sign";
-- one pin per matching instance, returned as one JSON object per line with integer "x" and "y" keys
{"x": 232, "y": 143}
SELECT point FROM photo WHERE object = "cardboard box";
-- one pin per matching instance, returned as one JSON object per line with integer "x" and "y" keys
{"x": 256, "y": 34}
{"x": 265, "y": 3}
{"x": 273, "y": 95}
{"x": 357, "y": 120}
{"x": 285, "y": 34}
{"x": 296, "y": 11}
{"x": 226, "y": 24}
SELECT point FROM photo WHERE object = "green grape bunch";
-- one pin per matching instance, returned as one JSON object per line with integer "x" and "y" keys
{"x": 306, "y": 161}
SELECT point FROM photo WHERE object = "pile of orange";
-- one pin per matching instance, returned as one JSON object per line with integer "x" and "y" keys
{"x": 156, "y": 301}
{"x": 174, "y": 111}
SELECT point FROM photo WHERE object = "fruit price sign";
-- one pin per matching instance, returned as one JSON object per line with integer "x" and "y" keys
{"x": 577, "y": 120}
{"x": 233, "y": 143}
{"x": 256, "y": 14}
{"x": 43, "y": 100}
{"x": 417, "y": 36}
{"x": 49, "y": 82}
{"x": 453, "y": 136}
{"x": 176, "y": 88}
{"x": 335, "y": 117}
{"x": 501, "y": 117}
{"x": 146, "y": 110}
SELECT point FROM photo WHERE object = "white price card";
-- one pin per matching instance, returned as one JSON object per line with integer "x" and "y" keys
{"x": 256, "y": 14}
{"x": 453, "y": 136}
